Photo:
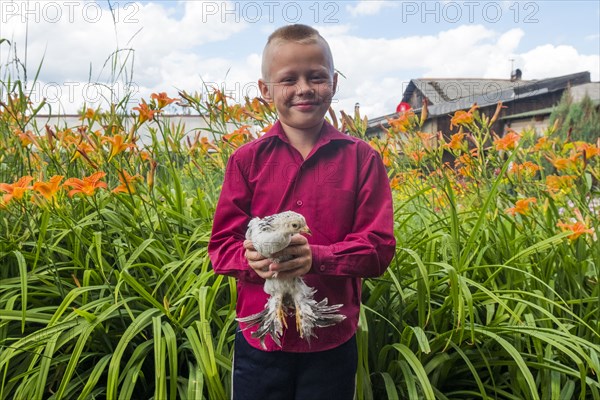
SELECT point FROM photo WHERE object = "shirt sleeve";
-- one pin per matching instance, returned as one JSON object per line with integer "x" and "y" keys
{"x": 226, "y": 245}
{"x": 368, "y": 250}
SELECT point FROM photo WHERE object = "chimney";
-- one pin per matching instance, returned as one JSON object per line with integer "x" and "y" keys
{"x": 516, "y": 75}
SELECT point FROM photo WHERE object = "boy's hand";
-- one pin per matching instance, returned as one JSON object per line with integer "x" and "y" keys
{"x": 257, "y": 262}
{"x": 299, "y": 265}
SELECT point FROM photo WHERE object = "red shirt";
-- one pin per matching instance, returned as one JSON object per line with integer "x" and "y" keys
{"x": 342, "y": 189}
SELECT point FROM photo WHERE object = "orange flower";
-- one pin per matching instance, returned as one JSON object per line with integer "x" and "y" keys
{"x": 50, "y": 188}
{"x": 427, "y": 139}
{"x": 238, "y": 137}
{"x": 404, "y": 121}
{"x": 162, "y": 99}
{"x": 542, "y": 144}
{"x": 395, "y": 182}
{"x": 87, "y": 185}
{"x": 219, "y": 96}
{"x": 15, "y": 190}
{"x": 417, "y": 155}
{"x": 206, "y": 145}
{"x": 588, "y": 149}
{"x": 462, "y": 117}
{"x": 527, "y": 169}
{"x": 26, "y": 137}
{"x": 234, "y": 112}
{"x": 456, "y": 141}
{"x": 521, "y": 206}
{"x": 508, "y": 141}
{"x": 556, "y": 184}
{"x": 577, "y": 229}
{"x": 127, "y": 183}
{"x": 90, "y": 113}
{"x": 117, "y": 145}
{"x": 146, "y": 113}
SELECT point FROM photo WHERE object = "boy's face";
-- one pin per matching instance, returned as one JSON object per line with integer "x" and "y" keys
{"x": 299, "y": 82}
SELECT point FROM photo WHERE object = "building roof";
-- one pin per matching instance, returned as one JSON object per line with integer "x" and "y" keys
{"x": 484, "y": 92}
{"x": 449, "y": 90}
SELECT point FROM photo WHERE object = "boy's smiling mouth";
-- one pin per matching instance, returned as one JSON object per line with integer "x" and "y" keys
{"x": 305, "y": 105}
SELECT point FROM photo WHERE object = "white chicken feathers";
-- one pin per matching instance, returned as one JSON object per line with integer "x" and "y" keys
{"x": 270, "y": 235}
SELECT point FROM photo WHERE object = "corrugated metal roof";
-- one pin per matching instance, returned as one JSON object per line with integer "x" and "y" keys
{"x": 449, "y": 90}
{"x": 490, "y": 92}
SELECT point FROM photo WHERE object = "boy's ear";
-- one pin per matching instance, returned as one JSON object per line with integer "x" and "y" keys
{"x": 335, "y": 79}
{"x": 265, "y": 90}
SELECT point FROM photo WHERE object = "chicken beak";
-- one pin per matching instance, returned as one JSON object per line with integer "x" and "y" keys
{"x": 306, "y": 230}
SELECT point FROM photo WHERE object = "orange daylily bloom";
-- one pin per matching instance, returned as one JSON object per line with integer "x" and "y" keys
{"x": 555, "y": 183}
{"x": 162, "y": 99}
{"x": 403, "y": 122}
{"x": 206, "y": 145}
{"x": 146, "y": 113}
{"x": 417, "y": 155}
{"x": 395, "y": 182}
{"x": 542, "y": 144}
{"x": 588, "y": 149}
{"x": 235, "y": 113}
{"x": 462, "y": 117}
{"x": 578, "y": 229}
{"x": 127, "y": 183}
{"x": 521, "y": 206}
{"x": 117, "y": 144}
{"x": 255, "y": 105}
{"x": 427, "y": 139}
{"x": 87, "y": 185}
{"x": 50, "y": 188}
{"x": 15, "y": 190}
{"x": 26, "y": 137}
{"x": 90, "y": 113}
{"x": 508, "y": 141}
{"x": 456, "y": 141}
{"x": 238, "y": 137}
{"x": 144, "y": 155}
{"x": 464, "y": 164}
{"x": 527, "y": 169}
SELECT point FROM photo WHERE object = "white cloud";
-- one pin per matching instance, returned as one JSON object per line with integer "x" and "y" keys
{"x": 368, "y": 7}
{"x": 548, "y": 61}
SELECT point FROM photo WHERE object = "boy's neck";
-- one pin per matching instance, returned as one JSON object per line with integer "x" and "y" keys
{"x": 303, "y": 140}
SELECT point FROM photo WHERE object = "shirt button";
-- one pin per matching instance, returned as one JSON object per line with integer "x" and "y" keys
{"x": 322, "y": 268}
{"x": 299, "y": 203}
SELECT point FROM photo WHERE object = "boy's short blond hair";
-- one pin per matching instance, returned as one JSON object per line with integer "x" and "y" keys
{"x": 297, "y": 33}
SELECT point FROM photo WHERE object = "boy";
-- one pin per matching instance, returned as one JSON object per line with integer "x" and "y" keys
{"x": 341, "y": 187}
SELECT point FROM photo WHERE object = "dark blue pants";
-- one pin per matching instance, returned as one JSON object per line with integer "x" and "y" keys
{"x": 262, "y": 375}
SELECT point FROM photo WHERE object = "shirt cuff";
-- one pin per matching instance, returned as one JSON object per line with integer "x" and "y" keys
{"x": 322, "y": 259}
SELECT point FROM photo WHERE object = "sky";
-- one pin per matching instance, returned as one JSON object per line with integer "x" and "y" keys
{"x": 93, "y": 52}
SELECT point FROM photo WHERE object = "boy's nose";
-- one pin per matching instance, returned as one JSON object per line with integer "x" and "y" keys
{"x": 304, "y": 87}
